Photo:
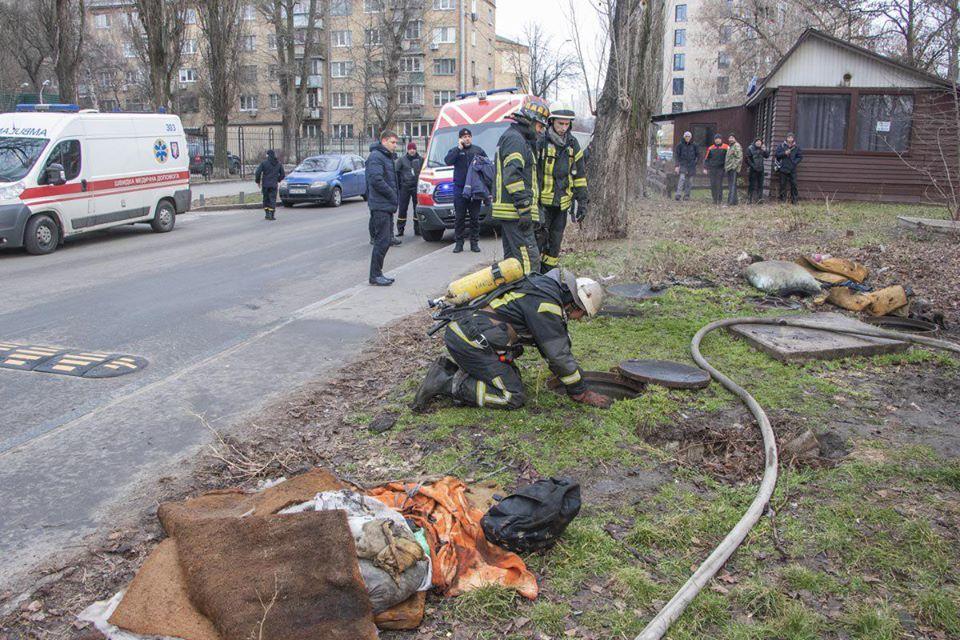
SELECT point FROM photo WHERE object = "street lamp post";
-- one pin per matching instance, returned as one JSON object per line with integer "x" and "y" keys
{"x": 45, "y": 83}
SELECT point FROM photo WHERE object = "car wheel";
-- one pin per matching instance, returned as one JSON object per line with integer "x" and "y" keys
{"x": 432, "y": 235}
{"x": 336, "y": 197}
{"x": 164, "y": 218}
{"x": 286, "y": 203}
{"x": 41, "y": 236}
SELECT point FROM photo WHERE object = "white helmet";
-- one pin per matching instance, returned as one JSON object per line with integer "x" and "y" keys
{"x": 587, "y": 294}
{"x": 562, "y": 111}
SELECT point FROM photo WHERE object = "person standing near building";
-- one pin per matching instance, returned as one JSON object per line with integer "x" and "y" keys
{"x": 731, "y": 167}
{"x": 713, "y": 166}
{"x": 788, "y": 156}
{"x": 563, "y": 182}
{"x": 460, "y": 157}
{"x": 516, "y": 188}
{"x": 685, "y": 157}
{"x": 408, "y": 172}
{"x": 268, "y": 175}
{"x": 383, "y": 197}
{"x": 757, "y": 154}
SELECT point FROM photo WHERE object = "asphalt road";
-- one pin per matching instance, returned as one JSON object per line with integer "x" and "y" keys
{"x": 221, "y": 309}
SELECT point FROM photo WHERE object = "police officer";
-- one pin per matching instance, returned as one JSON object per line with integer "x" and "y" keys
{"x": 483, "y": 343}
{"x": 516, "y": 189}
{"x": 563, "y": 182}
{"x": 268, "y": 175}
{"x": 467, "y": 210}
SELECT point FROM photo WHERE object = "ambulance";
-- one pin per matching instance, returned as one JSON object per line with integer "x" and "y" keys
{"x": 66, "y": 171}
{"x": 485, "y": 114}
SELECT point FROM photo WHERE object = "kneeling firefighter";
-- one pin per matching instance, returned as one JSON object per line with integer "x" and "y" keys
{"x": 485, "y": 339}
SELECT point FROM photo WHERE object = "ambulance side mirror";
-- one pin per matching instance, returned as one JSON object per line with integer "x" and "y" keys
{"x": 55, "y": 175}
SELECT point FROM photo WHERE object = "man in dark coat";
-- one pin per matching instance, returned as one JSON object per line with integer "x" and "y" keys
{"x": 757, "y": 155}
{"x": 713, "y": 165}
{"x": 268, "y": 176}
{"x": 685, "y": 157}
{"x": 408, "y": 172}
{"x": 383, "y": 198}
{"x": 788, "y": 156}
{"x": 460, "y": 158}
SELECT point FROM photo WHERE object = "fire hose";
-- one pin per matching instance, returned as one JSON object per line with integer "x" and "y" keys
{"x": 659, "y": 625}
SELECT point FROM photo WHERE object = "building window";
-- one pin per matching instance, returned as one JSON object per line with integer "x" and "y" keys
{"x": 490, "y": 76}
{"x": 102, "y": 20}
{"x": 445, "y": 66}
{"x": 311, "y": 131}
{"x": 343, "y": 131}
{"x": 372, "y": 6}
{"x": 133, "y": 76}
{"x": 273, "y": 71}
{"x": 445, "y": 35}
{"x": 342, "y": 99}
{"x": 723, "y": 60}
{"x": 248, "y": 73}
{"x": 340, "y": 69}
{"x": 189, "y": 47}
{"x": 316, "y": 68}
{"x": 411, "y": 94}
{"x": 341, "y": 38}
{"x": 105, "y": 78}
{"x": 679, "y": 37}
{"x": 188, "y": 75}
{"x": 340, "y": 7}
{"x": 314, "y": 98}
{"x": 678, "y": 86}
{"x": 416, "y": 129}
{"x": 445, "y": 5}
{"x": 189, "y": 104}
{"x": 473, "y": 38}
{"x": 676, "y": 107}
{"x": 249, "y": 12}
{"x": 441, "y": 98}
{"x": 726, "y": 32}
{"x": 490, "y": 15}
{"x": 822, "y": 120}
{"x": 248, "y": 43}
{"x": 723, "y": 85}
{"x": 274, "y": 100}
{"x": 129, "y": 51}
{"x": 413, "y": 30}
{"x": 272, "y": 41}
{"x": 884, "y": 123}
{"x": 411, "y": 64}
{"x": 680, "y": 13}
{"x": 248, "y": 103}
{"x": 190, "y": 16}
{"x": 679, "y": 61}
{"x": 372, "y": 37}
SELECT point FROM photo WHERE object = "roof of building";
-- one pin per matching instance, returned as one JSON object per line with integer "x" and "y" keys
{"x": 506, "y": 40}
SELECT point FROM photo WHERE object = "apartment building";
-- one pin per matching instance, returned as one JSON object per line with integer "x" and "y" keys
{"x": 513, "y": 64}
{"x": 450, "y": 50}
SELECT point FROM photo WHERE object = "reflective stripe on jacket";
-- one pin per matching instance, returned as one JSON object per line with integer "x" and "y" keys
{"x": 515, "y": 190}
{"x": 563, "y": 171}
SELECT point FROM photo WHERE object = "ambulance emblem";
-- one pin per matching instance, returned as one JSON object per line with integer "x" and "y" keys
{"x": 160, "y": 151}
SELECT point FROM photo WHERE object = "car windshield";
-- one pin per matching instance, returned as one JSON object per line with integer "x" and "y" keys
{"x": 486, "y": 136}
{"x": 319, "y": 164}
{"x": 18, "y": 155}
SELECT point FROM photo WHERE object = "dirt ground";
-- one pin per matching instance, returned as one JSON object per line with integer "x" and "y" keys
{"x": 895, "y": 404}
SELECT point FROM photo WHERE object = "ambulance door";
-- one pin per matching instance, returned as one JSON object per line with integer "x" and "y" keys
{"x": 74, "y": 204}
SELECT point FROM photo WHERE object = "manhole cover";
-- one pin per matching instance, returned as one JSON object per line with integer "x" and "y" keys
{"x": 666, "y": 374}
{"x": 611, "y": 385}
{"x": 635, "y": 291}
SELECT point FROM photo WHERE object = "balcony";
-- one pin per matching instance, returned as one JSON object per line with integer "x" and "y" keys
{"x": 312, "y": 113}
{"x": 313, "y": 82}
{"x": 300, "y": 21}
{"x": 412, "y": 77}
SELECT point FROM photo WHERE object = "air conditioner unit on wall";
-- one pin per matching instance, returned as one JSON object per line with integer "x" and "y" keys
{"x": 434, "y": 46}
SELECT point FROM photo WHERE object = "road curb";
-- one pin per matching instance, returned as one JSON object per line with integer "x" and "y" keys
{"x": 227, "y": 207}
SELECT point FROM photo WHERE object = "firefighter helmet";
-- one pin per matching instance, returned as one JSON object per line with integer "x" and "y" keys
{"x": 562, "y": 111}
{"x": 586, "y": 293}
{"x": 533, "y": 109}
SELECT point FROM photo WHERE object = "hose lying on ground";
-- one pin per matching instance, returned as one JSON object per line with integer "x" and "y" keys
{"x": 658, "y": 626}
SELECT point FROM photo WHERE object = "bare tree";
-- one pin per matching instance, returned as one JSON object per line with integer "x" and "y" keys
{"x": 949, "y": 14}
{"x": 548, "y": 65}
{"x": 158, "y": 38}
{"x": 25, "y": 40}
{"x": 629, "y": 99}
{"x": 915, "y": 33}
{"x": 222, "y": 29}
{"x": 592, "y": 71}
{"x": 297, "y": 35}
{"x": 64, "y": 23}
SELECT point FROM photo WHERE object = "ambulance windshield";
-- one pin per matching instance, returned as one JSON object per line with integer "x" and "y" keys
{"x": 18, "y": 155}
{"x": 486, "y": 136}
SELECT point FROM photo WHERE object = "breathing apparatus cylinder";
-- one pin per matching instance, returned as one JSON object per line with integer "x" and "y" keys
{"x": 483, "y": 282}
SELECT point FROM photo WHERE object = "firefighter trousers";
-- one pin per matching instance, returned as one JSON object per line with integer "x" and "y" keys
{"x": 483, "y": 380}
{"x": 550, "y": 237}
{"x": 519, "y": 244}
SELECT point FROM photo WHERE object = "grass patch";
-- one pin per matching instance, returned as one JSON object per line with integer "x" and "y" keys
{"x": 486, "y": 604}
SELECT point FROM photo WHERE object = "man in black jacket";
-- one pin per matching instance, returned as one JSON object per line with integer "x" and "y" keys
{"x": 460, "y": 157}
{"x": 268, "y": 176}
{"x": 483, "y": 343}
{"x": 383, "y": 198}
{"x": 757, "y": 155}
{"x": 713, "y": 165}
{"x": 408, "y": 171}
{"x": 685, "y": 157}
{"x": 788, "y": 156}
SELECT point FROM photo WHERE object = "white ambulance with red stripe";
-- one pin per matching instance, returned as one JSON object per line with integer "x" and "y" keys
{"x": 485, "y": 114}
{"x": 66, "y": 171}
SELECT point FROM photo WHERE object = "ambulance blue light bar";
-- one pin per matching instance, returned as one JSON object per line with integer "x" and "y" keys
{"x": 48, "y": 108}
{"x": 488, "y": 92}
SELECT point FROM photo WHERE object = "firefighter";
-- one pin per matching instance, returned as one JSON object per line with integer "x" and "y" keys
{"x": 516, "y": 191}
{"x": 484, "y": 342}
{"x": 268, "y": 176}
{"x": 563, "y": 181}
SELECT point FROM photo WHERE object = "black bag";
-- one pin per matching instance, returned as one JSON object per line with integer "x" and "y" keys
{"x": 534, "y": 517}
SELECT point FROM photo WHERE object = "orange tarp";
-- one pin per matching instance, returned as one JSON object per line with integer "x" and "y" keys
{"x": 462, "y": 557}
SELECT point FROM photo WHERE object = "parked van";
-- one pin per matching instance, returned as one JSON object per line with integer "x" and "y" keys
{"x": 485, "y": 114}
{"x": 64, "y": 172}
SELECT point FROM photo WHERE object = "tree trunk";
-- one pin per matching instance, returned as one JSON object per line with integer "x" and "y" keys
{"x": 68, "y": 48}
{"x": 618, "y": 162}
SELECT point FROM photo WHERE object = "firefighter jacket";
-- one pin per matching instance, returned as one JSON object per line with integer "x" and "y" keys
{"x": 564, "y": 176}
{"x": 531, "y": 313}
{"x": 516, "y": 189}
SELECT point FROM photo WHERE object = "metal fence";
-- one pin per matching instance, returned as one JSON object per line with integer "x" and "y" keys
{"x": 249, "y": 143}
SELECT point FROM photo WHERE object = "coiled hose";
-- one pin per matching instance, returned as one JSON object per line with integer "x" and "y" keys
{"x": 658, "y": 626}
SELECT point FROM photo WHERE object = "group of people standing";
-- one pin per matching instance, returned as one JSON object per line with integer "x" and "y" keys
{"x": 723, "y": 161}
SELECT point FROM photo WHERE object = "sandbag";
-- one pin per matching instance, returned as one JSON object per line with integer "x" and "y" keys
{"x": 782, "y": 278}
{"x": 534, "y": 517}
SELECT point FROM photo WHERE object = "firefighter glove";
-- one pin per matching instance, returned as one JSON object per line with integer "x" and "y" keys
{"x": 593, "y": 399}
{"x": 580, "y": 211}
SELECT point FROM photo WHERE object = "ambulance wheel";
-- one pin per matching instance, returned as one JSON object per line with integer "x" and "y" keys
{"x": 432, "y": 235}
{"x": 164, "y": 218}
{"x": 41, "y": 236}
{"x": 336, "y": 197}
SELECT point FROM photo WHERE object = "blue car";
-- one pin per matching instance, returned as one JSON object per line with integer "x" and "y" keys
{"x": 326, "y": 179}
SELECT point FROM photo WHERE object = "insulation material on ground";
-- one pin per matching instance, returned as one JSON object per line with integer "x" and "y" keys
{"x": 848, "y": 269}
{"x": 782, "y": 278}
{"x": 876, "y": 303}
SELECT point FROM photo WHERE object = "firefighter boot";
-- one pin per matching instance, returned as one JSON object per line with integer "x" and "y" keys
{"x": 437, "y": 382}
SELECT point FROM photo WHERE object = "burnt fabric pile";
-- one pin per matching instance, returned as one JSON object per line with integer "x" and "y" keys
{"x": 846, "y": 281}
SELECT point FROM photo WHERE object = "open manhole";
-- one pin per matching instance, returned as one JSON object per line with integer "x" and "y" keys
{"x": 611, "y": 385}
{"x": 674, "y": 375}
